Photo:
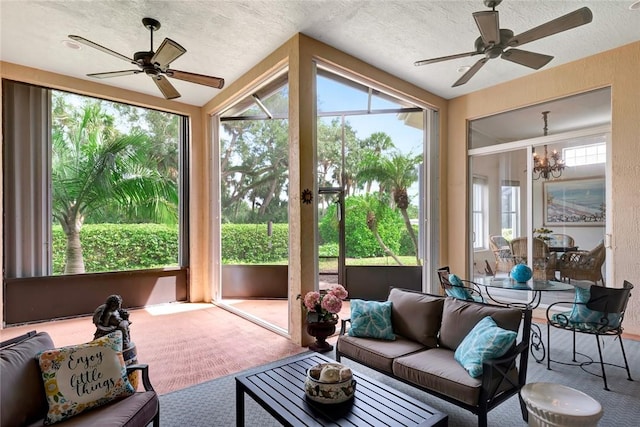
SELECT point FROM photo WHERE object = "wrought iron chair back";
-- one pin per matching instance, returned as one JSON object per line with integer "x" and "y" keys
{"x": 469, "y": 291}
{"x": 601, "y": 314}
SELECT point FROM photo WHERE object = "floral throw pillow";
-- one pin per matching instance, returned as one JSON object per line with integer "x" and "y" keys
{"x": 84, "y": 376}
{"x": 371, "y": 319}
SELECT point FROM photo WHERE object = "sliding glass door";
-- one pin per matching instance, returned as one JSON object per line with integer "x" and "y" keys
{"x": 540, "y": 200}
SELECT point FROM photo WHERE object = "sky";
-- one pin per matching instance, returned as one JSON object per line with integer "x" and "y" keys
{"x": 334, "y": 96}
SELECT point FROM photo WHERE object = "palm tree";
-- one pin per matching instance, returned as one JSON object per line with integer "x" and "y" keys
{"x": 373, "y": 148}
{"x": 94, "y": 168}
{"x": 396, "y": 173}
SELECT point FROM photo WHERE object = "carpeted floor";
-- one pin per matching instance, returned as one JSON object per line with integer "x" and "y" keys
{"x": 213, "y": 402}
{"x": 183, "y": 344}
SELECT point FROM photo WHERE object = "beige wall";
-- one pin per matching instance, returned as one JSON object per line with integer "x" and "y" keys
{"x": 617, "y": 68}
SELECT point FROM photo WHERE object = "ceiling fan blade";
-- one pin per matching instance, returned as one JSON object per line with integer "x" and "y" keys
{"x": 489, "y": 26}
{"x": 101, "y": 48}
{"x": 166, "y": 87}
{"x": 445, "y": 58}
{"x": 526, "y": 58}
{"x": 168, "y": 52}
{"x": 566, "y": 22}
{"x": 114, "y": 74}
{"x": 201, "y": 79}
{"x": 472, "y": 71}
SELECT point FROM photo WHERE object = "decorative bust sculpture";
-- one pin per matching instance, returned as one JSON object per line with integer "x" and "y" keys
{"x": 109, "y": 317}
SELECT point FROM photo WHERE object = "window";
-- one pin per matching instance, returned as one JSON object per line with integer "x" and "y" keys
{"x": 510, "y": 209}
{"x": 104, "y": 181}
{"x": 479, "y": 213}
{"x": 585, "y": 154}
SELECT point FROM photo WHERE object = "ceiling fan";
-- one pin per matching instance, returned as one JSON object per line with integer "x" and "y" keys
{"x": 155, "y": 64}
{"x": 495, "y": 41}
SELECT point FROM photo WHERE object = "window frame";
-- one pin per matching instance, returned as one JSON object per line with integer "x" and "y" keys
{"x": 44, "y": 267}
{"x": 479, "y": 184}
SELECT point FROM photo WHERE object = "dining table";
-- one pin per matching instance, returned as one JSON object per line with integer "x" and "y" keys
{"x": 536, "y": 288}
{"x": 563, "y": 248}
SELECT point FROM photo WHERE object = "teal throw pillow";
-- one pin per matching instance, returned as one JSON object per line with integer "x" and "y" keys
{"x": 582, "y": 314}
{"x": 457, "y": 290}
{"x": 484, "y": 342}
{"x": 371, "y": 319}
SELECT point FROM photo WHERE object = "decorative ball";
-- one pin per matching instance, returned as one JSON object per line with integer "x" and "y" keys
{"x": 521, "y": 273}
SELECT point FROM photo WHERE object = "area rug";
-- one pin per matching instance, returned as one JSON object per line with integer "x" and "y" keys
{"x": 213, "y": 403}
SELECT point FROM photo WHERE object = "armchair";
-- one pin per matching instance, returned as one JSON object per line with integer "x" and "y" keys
{"x": 598, "y": 311}
{"x": 583, "y": 265}
{"x": 24, "y": 401}
{"x": 502, "y": 252}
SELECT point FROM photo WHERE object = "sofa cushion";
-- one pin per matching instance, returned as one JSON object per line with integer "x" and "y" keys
{"x": 416, "y": 316}
{"x": 485, "y": 341}
{"x": 81, "y": 377}
{"x": 23, "y": 400}
{"x": 371, "y": 319}
{"x": 436, "y": 369}
{"x": 134, "y": 411}
{"x": 459, "y": 317}
{"x": 377, "y": 354}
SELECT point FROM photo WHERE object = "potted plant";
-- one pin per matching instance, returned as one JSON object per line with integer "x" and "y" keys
{"x": 322, "y": 314}
{"x": 543, "y": 233}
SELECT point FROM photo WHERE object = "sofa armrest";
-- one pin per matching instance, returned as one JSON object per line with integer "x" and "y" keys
{"x": 145, "y": 374}
{"x": 343, "y": 326}
{"x": 495, "y": 373}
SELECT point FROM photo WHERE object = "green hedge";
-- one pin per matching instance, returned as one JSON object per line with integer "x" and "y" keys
{"x": 113, "y": 247}
{"x": 250, "y": 244}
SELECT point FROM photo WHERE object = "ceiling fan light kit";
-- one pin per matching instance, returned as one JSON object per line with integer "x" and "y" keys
{"x": 497, "y": 42}
{"x": 154, "y": 64}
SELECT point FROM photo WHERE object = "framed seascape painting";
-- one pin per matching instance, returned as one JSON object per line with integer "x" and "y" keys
{"x": 576, "y": 202}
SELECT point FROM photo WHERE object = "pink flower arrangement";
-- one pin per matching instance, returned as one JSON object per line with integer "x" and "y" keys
{"x": 324, "y": 305}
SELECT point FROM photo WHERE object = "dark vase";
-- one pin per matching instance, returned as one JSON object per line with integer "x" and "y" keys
{"x": 320, "y": 331}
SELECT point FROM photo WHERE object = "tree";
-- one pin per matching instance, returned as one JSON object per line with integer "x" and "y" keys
{"x": 95, "y": 168}
{"x": 330, "y": 137}
{"x": 396, "y": 173}
{"x": 373, "y": 147}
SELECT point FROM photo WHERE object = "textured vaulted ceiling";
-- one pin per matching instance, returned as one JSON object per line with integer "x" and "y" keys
{"x": 227, "y": 38}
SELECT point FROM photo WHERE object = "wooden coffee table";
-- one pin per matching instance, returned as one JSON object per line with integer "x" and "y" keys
{"x": 279, "y": 389}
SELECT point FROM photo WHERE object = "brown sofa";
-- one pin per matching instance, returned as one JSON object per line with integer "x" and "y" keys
{"x": 23, "y": 401}
{"x": 428, "y": 330}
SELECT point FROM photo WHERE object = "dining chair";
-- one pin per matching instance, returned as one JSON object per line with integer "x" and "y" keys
{"x": 502, "y": 253}
{"x": 456, "y": 287}
{"x": 583, "y": 265}
{"x": 596, "y": 310}
{"x": 544, "y": 261}
{"x": 561, "y": 240}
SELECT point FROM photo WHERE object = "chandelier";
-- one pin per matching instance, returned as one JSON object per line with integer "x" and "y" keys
{"x": 548, "y": 166}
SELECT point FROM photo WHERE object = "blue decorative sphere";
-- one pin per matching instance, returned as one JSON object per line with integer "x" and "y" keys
{"x": 521, "y": 273}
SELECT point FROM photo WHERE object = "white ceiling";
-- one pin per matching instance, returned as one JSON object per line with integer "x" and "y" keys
{"x": 226, "y": 38}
